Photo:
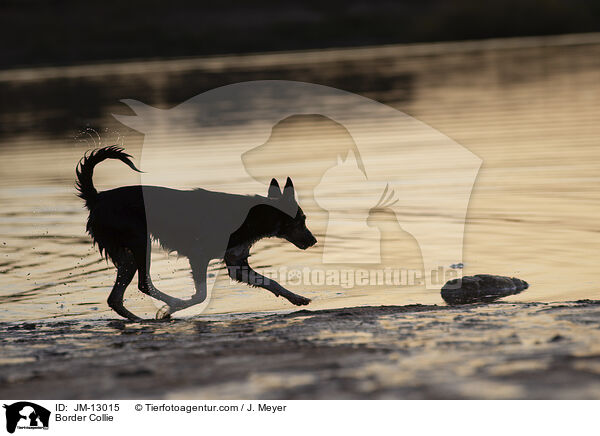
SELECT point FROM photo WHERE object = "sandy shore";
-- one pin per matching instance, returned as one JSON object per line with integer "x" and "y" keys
{"x": 502, "y": 350}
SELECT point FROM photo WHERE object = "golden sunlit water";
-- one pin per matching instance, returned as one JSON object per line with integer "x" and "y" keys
{"x": 530, "y": 111}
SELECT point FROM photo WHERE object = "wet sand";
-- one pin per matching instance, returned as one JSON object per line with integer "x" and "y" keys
{"x": 501, "y": 350}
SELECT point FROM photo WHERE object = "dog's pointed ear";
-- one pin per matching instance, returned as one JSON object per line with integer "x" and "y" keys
{"x": 288, "y": 190}
{"x": 274, "y": 189}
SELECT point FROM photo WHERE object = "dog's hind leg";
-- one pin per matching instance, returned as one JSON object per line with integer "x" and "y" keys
{"x": 125, "y": 272}
{"x": 199, "y": 266}
{"x": 242, "y": 272}
{"x": 142, "y": 261}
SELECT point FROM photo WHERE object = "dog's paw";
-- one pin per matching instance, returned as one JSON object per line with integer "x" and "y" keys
{"x": 299, "y": 300}
{"x": 163, "y": 313}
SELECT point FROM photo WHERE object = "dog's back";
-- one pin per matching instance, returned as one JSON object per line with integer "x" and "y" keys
{"x": 182, "y": 221}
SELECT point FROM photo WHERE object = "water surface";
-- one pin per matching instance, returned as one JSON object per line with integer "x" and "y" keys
{"x": 528, "y": 108}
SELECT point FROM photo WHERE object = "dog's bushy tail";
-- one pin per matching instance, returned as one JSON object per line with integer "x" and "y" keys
{"x": 85, "y": 170}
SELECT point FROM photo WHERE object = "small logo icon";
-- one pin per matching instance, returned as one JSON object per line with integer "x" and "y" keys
{"x": 26, "y": 415}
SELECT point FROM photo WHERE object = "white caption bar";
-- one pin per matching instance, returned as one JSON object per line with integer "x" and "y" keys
{"x": 159, "y": 417}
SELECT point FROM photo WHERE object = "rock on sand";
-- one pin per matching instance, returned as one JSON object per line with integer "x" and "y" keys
{"x": 481, "y": 288}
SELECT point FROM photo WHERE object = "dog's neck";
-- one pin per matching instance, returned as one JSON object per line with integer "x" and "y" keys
{"x": 263, "y": 221}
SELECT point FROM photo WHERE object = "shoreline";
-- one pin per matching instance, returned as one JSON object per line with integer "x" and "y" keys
{"x": 218, "y": 63}
{"x": 498, "y": 350}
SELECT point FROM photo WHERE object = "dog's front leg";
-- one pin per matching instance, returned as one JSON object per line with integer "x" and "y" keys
{"x": 242, "y": 272}
{"x": 198, "y": 266}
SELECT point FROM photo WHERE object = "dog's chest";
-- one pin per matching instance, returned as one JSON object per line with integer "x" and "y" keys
{"x": 239, "y": 252}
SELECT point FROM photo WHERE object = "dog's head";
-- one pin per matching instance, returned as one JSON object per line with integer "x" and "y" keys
{"x": 293, "y": 226}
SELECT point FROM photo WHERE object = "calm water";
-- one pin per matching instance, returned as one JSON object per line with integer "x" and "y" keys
{"x": 529, "y": 109}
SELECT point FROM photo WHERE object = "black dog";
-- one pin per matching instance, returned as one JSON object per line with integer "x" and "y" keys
{"x": 199, "y": 224}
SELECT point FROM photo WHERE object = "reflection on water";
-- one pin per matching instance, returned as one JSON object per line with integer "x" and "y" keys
{"x": 529, "y": 111}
